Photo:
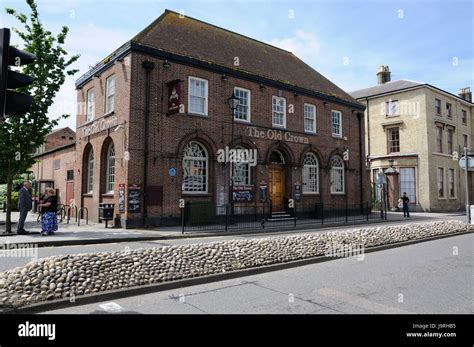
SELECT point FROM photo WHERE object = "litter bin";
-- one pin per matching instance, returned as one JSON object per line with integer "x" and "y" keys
{"x": 106, "y": 212}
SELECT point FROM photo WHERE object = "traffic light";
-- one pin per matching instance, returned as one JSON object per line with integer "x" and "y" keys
{"x": 13, "y": 103}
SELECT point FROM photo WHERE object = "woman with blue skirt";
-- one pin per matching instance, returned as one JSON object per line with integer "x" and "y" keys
{"x": 49, "y": 208}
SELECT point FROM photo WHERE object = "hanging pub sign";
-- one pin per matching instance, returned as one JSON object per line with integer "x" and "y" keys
{"x": 133, "y": 198}
{"x": 174, "y": 96}
{"x": 121, "y": 198}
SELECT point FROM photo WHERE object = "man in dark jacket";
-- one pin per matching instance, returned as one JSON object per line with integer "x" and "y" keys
{"x": 24, "y": 205}
{"x": 405, "y": 199}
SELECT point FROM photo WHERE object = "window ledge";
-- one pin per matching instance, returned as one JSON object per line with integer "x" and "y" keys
{"x": 242, "y": 121}
{"x": 338, "y": 193}
{"x": 109, "y": 113}
{"x": 197, "y": 195}
{"x": 108, "y": 195}
{"x": 442, "y": 154}
{"x": 310, "y": 193}
{"x": 200, "y": 115}
{"x": 88, "y": 195}
{"x": 310, "y": 132}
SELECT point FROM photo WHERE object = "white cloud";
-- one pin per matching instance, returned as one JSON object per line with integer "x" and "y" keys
{"x": 304, "y": 45}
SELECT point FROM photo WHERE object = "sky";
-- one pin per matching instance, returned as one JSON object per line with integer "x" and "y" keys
{"x": 422, "y": 40}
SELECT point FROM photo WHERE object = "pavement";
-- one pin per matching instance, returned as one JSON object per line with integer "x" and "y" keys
{"x": 433, "y": 277}
{"x": 96, "y": 233}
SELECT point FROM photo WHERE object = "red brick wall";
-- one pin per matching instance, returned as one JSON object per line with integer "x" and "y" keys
{"x": 169, "y": 134}
{"x": 43, "y": 169}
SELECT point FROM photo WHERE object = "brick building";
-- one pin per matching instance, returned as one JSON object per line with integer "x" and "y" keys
{"x": 55, "y": 164}
{"x": 155, "y": 114}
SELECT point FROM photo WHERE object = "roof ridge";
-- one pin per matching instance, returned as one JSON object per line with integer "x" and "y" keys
{"x": 168, "y": 11}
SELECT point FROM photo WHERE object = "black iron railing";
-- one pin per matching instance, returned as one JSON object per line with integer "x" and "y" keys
{"x": 198, "y": 216}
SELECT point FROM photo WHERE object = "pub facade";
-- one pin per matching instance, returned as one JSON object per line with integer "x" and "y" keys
{"x": 157, "y": 113}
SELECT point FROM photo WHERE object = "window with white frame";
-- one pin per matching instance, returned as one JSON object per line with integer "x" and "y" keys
{"x": 440, "y": 183}
{"x": 407, "y": 183}
{"x": 451, "y": 185}
{"x": 110, "y": 95}
{"x": 90, "y": 105}
{"x": 392, "y": 108}
{"x": 90, "y": 172}
{"x": 110, "y": 170}
{"x": 279, "y": 112}
{"x": 242, "y": 112}
{"x": 438, "y": 106}
{"x": 309, "y": 118}
{"x": 195, "y": 169}
{"x": 450, "y": 141}
{"x": 310, "y": 174}
{"x": 336, "y": 117}
{"x": 337, "y": 175}
{"x": 242, "y": 173}
{"x": 198, "y": 96}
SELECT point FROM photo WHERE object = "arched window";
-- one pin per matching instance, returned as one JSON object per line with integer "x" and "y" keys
{"x": 90, "y": 171}
{"x": 337, "y": 175}
{"x": 242, "y": 174}
{"x": 110, "y": 169}
{"x": 310, "y": 174}
{"x": 195, "y": 169}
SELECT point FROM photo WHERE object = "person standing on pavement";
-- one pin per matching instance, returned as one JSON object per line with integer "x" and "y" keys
{"x": 24, "y": 206}
{"x": 49, "y": 209}
{"x": 405, "y": 200}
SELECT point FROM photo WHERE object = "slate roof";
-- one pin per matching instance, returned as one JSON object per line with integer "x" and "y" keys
{"x": 193, "y": 38}
{"x": 385, "y": 88}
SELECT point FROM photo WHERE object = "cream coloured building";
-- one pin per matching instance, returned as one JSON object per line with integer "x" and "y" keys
{"x": 420, "y": 132}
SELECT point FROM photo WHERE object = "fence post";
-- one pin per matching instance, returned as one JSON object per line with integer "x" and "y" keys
{"x": 226, "y": 217}
{"x": 182, "y": 220}
{"x": 294, "y": 215}
{"x": 322, "y": 213}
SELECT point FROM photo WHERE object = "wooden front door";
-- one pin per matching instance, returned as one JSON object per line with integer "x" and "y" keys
{"x": 276, "y": 183}
{"x": 69, "y": 193}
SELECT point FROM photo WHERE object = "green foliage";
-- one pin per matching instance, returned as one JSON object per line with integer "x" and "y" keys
{"x": 20, "y": 136}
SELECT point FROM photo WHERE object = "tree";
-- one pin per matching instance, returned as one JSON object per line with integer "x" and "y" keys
{"x": 21, "y": 136}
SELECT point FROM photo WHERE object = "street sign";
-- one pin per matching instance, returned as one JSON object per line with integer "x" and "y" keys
{"x": 462, "y": 163}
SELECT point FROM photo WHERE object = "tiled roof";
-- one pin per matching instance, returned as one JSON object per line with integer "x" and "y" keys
{"x": 385, "y": 88}
{"x": 189, "y": 37}
{"x": 193, "y": 38}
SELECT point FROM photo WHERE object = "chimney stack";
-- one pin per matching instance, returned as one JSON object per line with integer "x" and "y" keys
{"x": 383, "y": 74}
{"x": 466, "y": 94}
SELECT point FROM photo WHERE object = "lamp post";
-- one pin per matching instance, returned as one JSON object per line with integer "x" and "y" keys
{"x": 233, "y": 102}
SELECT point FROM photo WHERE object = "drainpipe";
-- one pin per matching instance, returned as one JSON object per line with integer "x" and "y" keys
{"x": 148, "y": 66}
{"x": 361, "y": 166}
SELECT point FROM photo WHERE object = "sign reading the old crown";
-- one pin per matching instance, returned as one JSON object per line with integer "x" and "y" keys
{"x": 273, "y": 134}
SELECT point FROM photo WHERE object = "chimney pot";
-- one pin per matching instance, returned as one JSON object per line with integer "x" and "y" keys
{"x": 383, "y": 74}
{"x": 466, "y": 93}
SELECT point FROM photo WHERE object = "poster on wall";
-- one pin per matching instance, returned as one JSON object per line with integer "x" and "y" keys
{"x": 242, "y": 194}
{"x": 297, "y": 192}
{"x": 263, "y": 190}
{"x": 134, "y": 198}
{"x": 121, "y": 198}
{"x": 174, "y": 96}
